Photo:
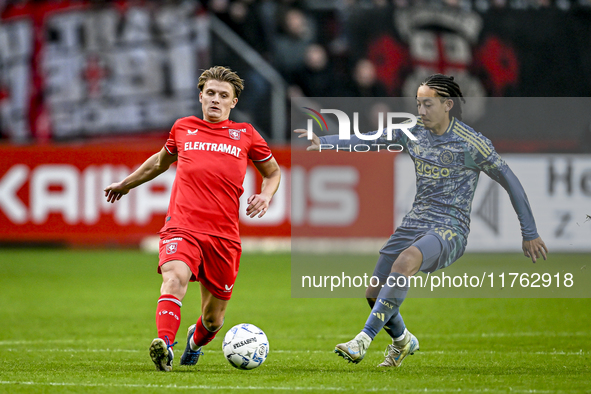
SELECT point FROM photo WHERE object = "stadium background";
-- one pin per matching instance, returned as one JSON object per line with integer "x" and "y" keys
{"x": 88, "y": 89}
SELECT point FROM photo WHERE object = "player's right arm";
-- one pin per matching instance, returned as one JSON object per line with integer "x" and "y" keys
{"x": 150, "y": 169}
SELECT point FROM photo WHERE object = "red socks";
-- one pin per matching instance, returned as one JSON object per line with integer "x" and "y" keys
{"x": 202, "y": 335}
{"x": 168, "y": 320}
{"x": 168, "y": 317}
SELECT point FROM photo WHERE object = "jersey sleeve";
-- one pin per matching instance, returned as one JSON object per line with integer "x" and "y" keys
{"x": 170, "y": 144}
{"x": 259, "y": 151}
{"x": 490, "y": 162}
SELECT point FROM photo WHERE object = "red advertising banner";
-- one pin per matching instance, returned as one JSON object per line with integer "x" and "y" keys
{"x": 342, "y": 194}
{"x": 54, "y": 193}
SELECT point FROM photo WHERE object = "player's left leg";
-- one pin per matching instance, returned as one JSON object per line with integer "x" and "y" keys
{"x": 401, "y": 240}
{"x": 387, "y": 304}
{"x": 210, "y": 322}
{"x": 221, "y": 259}
{"x": 395, "y": 326}
{"x": 396, "y": 249}
{"x": 403, "y": 342}
{"x": 401, "y": 337}
{"x": 437, "y": 253}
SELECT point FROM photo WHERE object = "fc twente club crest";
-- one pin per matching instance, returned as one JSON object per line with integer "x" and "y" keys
{"x": 234, "y": 134}
{"x": 171, "y": 248}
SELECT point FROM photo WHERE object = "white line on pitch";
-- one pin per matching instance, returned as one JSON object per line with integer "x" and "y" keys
{"x": 327, "y": 351}
{"x": 62, "y": 350}
{"x": 32, "y": 342}
{"x": 285, "y": 388}
{"x": 422, "y": 336}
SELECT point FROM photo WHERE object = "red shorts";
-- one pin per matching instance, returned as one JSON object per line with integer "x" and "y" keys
{"x": 214, "y": 261}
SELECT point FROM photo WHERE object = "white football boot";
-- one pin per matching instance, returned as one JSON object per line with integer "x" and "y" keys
{"x": 396, "y": 352}
{"x": 354, "y": 350}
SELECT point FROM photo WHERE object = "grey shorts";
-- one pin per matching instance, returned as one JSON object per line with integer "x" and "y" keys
{"x": 440, "y": 248}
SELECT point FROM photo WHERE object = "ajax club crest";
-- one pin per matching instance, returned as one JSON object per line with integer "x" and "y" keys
{"x": 446, "y": 157}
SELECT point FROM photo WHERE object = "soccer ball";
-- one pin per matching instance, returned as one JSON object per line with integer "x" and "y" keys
{"x": 245, "y": 346}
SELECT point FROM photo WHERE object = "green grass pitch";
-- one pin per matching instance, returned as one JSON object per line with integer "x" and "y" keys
{"x": 82, "y": 321}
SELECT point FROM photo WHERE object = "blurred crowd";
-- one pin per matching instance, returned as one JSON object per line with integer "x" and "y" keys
{"x": 321, "y": 48}
{"x": 316, "y": 47}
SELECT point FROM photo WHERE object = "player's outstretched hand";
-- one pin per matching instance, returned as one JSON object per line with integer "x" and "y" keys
{"x": 258, "y": 204}
{"x": 115, "y": 191}
{"x": 314, "y": 142}
{"x": 534, "y": 249}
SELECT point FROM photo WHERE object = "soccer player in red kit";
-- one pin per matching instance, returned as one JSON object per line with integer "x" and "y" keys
{"x": 200, "y": 240}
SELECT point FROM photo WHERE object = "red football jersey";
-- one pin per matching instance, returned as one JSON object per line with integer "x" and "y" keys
{"x": 211, "y": 166}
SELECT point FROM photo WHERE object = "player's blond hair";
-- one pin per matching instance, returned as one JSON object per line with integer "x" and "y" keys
{"x": 222, "y": 74}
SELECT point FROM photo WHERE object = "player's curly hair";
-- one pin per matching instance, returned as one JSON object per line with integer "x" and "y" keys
{"x": 447, "y": 88}
{"x": 222, "y": 74}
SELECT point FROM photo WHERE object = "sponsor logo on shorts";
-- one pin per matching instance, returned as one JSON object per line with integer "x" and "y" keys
{"x": 172, "y": 239}
{"x": 171, "y": 248}
{"x": 229, "y": 288}
{"x": 445, "y": 233}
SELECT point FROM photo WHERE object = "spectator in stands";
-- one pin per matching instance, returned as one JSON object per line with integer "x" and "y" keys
{"x": 365, "y": 82}
{"x": 317, "y": 78}
{"x": 292, "y": 43}
{"x": 241, "y": 17}
{"x": 271, "y": 15}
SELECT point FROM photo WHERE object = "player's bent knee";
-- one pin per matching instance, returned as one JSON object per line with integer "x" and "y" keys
{"x": 408, "y": 262}
{"x": 213, "y": 322}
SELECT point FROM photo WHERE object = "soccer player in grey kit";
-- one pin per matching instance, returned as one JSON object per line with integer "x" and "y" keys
{"x": 448, "y": 157}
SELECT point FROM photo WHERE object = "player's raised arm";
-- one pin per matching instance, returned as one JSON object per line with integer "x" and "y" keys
{"x": 259, "y": 203}
{"x": 150, "y": 169}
